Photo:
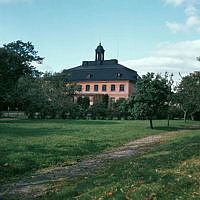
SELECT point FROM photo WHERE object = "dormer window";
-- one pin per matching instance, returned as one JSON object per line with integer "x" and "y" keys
{"x": 118, "y": 75}
{"x": 89, "y": 76}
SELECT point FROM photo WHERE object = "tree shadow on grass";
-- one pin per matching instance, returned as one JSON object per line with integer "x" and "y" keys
{"x": 35, "y": 132}
{"x": 166, "y": 128}
{"x": 40, "y": 128}
{"x": 67, "y": 121}
{"x": 176, "y": 128}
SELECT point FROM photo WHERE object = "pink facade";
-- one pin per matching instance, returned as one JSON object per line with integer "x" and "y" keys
{"x": 114, "y": 89}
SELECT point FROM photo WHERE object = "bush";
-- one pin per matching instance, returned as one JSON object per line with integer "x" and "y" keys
{"x": 197, "y": 116}
{"x": 98, "y": 111}
{"x": 175, "y": 112}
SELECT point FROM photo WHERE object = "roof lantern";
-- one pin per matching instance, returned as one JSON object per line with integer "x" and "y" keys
{"x": 99, "y": 56}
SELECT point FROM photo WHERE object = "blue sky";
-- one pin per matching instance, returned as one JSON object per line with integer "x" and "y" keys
{"x": 145, "y": 35}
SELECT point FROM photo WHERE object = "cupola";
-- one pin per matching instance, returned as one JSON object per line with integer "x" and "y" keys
{"x": 99, "y": 56}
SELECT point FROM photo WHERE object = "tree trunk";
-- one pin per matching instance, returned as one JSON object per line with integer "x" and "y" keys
{"x": 185, "y": 115}
{"x": 151, "y": 123}
{"x": 168, "y": 120}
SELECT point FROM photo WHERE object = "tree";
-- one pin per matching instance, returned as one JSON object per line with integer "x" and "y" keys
{"x": 105, "y": 100}
{"x": 48, "y": 95}
{"x": 16, "y": 60}
{"x": 83, "y": 103}
{"x": 121, "y": 108}
{"x": 130, "y": 107}
{"x": 98, "y": 111}
{"x": 11, "y": 69}
{"x": 32, "y": 97}
{"x": 187, "y": 94}
{"x": 170, "y": 82}
{"x": 28, "y": 54}
{"x": 151, "y": 97}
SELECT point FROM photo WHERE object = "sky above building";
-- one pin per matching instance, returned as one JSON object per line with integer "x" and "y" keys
{"x": 145, "y": 35}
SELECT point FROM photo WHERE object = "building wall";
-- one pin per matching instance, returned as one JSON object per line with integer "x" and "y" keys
{"x": 129, "y": 89}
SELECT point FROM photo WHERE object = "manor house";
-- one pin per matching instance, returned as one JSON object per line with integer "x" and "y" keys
{"x": 99, "y": 77}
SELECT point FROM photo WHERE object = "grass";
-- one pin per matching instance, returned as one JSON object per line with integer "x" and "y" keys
{"x": 168, "y": 172}
{"x": 29, "y": 145}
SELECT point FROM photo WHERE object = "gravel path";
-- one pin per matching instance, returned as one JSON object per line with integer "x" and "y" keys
{"x": 42, "y": 181}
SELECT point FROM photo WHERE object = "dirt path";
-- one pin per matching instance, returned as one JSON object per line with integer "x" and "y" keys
{"x": 42, "y": 181}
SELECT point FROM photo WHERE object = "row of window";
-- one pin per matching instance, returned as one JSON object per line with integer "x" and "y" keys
{"x": 103, "y": 88}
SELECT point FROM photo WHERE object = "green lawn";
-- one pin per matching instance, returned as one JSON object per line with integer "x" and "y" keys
{"x": 29, "y": 145}
{"x": 168, "y": 172}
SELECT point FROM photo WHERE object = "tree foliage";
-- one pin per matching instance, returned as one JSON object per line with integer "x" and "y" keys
{"x": 187, "y": 94}
{"x": 16, "y": 60}
{"x": 151, "y": 97}
{"x": 47, "y": 95}
{"x": 11, "y": 69}
{"x": 121, "y": 107}
{"x": 83, "y": 106}
{"x": 98, "y": 111}
{"x": 28, "y": 54}
{"x": 105, "y": 100}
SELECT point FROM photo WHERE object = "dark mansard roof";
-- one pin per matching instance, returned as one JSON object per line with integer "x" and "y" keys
{"x": 101, "y": 70}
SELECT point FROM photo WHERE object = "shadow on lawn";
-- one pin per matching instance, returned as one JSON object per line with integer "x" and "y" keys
{"x": 174, "y": 128}
{"x": 67, "y": 121}
{"x": 40, "y": 128}
{"x": 35, "y": 132}
{"x": 166, "y": 128}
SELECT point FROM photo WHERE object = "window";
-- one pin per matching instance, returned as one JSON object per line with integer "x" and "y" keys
{"x": 96, "y": 87}
{"x": 80, "y": 88}
{"x": 87, "y": 88}
{"x": 112, "y": 88}
{"x": 118, "y": 75}
{"x": 104, "y": 88}
{"x": 121, "y": 88}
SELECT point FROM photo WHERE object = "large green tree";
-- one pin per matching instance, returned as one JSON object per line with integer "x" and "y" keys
{"x": 16, "y": 60}
{"x": 11, "y": 69}
{"x": 28, "y": 54}
{"x": 151, "y": 97}
{"x": 187, "y": 95}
